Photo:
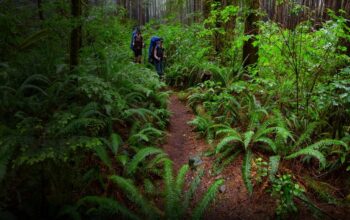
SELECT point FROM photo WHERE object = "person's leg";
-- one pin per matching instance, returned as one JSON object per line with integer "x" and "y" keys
{"x": 162, "y": 68}
{"x": 135, "y": 56}
{"x": 139, "y": 59}
{"x": 158, "y": 68}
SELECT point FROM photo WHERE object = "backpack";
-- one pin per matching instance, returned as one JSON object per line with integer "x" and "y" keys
{"x": 151, "y": 48}
{"x": 132, "y": 38}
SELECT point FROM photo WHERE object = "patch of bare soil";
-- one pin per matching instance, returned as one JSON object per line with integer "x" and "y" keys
{"x": 233, "y": 202}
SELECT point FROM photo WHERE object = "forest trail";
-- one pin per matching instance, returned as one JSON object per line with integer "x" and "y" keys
{"x": 232, "y": 201}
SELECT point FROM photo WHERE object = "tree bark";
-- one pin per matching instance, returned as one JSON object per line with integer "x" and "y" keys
{"x": 76, "y": 33}
{"x": 250, "y": 53}
{"x": 40, "y": 10}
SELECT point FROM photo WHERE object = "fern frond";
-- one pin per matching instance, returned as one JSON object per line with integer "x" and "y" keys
{"x": 149, "y": 186}
{"x": 116, "y": 142}
{"x": 269, "y": 142}
{"x": 226, "y": 162}
{"x": 103, "y": 155}
{"x": 134, "y": 195}
{"x": 228, "y": 131}
{"x": 192, "y": 189}
{"x": 225, "y": 141}
{"x": 327, "y": 142}
{"x": 207, "y": 199}
{"x": 311, "y": 152}
{"x": 248, "y": 138}
{"x": 306, "y": 136}
{"x": 171, "y": 198}
{"x": 107, "y": 206}
{"x": 140, "y": 156}
{"x": 246, "y": 171}
{"x": 89, "y": 110}
{"x": 142, "y": 113}
{"x": 156, "y": 160}
{"x": 180, "y": 179}
{"x": 274, "y": 162}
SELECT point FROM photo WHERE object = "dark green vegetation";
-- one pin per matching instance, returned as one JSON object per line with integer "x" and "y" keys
{"x": 81, "y": 125}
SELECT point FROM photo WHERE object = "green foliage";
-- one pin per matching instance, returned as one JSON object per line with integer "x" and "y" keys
{"x": 285, "y": 190}
{"x": 139, "y": 157}
{"x": 315, "y": 149}
{"x": 208, "y": 197}
{"x": 135, "y": 196}
{"x": 262, "y": 169}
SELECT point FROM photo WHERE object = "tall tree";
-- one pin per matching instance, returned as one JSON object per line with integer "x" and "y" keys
{"x": 250, "y": 53}
{"x": 76, "y": 33}
{"x": 40, "y": 10}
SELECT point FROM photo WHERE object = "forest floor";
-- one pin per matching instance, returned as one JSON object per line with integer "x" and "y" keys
{"x": 232, "y": 200}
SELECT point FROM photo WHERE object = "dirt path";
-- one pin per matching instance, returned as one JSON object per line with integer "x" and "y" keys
{"x": 234, "y": 202}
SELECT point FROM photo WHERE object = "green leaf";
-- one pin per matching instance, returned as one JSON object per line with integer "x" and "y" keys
{"x": 116, "y": 141}
{"x": 247, "y": 138}
{"x": 134, "y": 195}
{"x": 269, "y": 142}
{"x": 103, "y": 155}
{"x": 140, "y": 156}
{"x": 207, "y": 199}
{"x": 311, "y": 152}
{"x": 226, "y": 141}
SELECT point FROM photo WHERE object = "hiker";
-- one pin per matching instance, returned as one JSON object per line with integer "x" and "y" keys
{"x": 137, "y": 45}
{"x": 159, "y": 56}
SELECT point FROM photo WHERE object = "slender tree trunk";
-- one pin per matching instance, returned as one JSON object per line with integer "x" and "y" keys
{"x": 250, "y": 53}
{"x": 76, "y": 34}
{"x": 40, "y": 10}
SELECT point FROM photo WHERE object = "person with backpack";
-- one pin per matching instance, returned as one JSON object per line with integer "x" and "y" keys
{"x": 137, "y": 45}
{"x": 159, "y": 55}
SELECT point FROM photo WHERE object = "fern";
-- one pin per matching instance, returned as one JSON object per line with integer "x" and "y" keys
{"x": 135, "y": 196}
{"x": 116, "y": 142}
{"x": 226, "y": 162}
{"x": 103, "y": 155}
{"x": 225, "y": 141}
{"x": 311, "y": 152}
{"x": 171, "y": 198}
{"x": 328, "y": 142}
{"x": 180, "y": 179}
{"x": 208, "y": 197}
{"x": 192, "y": 189}
{"x": 140, "y": 156}
{"x": 149, "y": 187}
{"x": 246, "y": 171}
{"x": 247, "y": 138}
{"x": 107, "y": 206}
{"x": 307, "y": 134}
{"x": 269, "y": 142}
{"x": 140, "y": 113}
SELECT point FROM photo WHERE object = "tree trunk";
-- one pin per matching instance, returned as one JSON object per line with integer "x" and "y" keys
{"x": 250, "y": 53}
{"x": 76, "y": 34}
{"x": 40, "y": 10}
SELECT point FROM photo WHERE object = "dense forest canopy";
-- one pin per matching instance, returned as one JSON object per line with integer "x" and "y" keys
{"x": 175, "y": 109}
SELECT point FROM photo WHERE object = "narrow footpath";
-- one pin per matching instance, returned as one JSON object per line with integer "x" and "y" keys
{"x": 233, "y": 201}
